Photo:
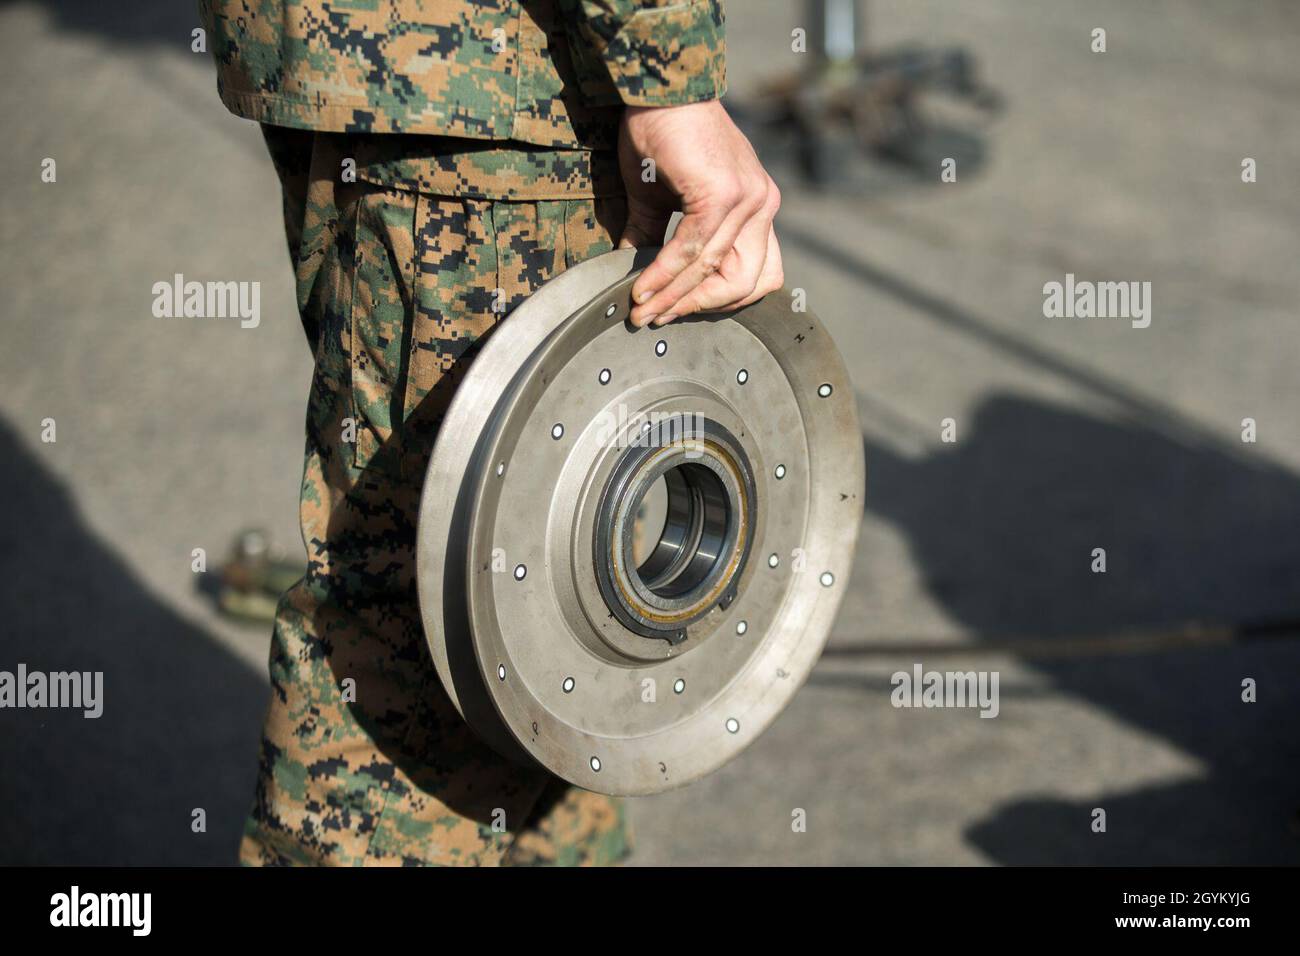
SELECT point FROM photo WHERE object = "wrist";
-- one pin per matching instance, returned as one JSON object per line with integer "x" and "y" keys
{"x": 641, "y": 117}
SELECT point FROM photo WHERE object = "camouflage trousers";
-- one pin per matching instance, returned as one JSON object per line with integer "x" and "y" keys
{"x": 364, "y": 760}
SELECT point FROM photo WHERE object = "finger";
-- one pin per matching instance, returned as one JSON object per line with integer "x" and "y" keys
{"x": 770, "y": 280}
{"x": 695, "y": 252}
{"x": 665, "y": 303}
{"x": 736, "y": 280}
{"x": 713, "y": 253}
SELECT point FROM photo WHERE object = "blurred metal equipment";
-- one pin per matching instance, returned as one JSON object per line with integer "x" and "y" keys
{"x": 874, "y": 97}
{"x": 632, "y": 543}
{"x": 253, "y": 578}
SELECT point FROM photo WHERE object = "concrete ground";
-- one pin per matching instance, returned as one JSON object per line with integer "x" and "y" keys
{"x": 1071, "y": 435}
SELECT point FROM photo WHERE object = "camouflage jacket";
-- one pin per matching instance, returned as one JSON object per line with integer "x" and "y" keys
{"x": 553, "y": 73}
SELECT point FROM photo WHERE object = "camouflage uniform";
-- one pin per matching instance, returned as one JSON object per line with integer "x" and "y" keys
{"x": 505, "y": 177}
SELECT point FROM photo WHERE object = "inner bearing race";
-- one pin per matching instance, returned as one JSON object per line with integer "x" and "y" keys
{"x": 698, "y": 557}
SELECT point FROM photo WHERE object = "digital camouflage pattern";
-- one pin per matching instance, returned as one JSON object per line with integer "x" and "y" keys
{"x": 364, "y": 760}
{"x": 408, "y": 250}
{"x": 547, "y": 72}
{"x": 484, "y": 170}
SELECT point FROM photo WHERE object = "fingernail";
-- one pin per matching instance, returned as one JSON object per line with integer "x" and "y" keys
{"x": 646, "y": 320}
{"x": 644, "y": 297}
{"x": 665, "y": 319}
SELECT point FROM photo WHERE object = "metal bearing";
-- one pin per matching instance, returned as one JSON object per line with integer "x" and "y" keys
{"x": 700, "y": 552}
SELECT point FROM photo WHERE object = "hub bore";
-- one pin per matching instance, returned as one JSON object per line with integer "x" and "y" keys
{"x": 698, "y": 558}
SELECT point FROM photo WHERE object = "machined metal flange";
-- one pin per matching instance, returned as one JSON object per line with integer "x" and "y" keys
{"x": 632, "y": 542}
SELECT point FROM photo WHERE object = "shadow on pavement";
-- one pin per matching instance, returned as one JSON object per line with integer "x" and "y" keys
{"x": 151, "y": 21}
{"x": 180, "y": 719}
{"x": 1003, "y": 524}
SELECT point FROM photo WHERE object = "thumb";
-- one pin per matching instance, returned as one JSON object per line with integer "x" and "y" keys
{"x": 644, "y": 228}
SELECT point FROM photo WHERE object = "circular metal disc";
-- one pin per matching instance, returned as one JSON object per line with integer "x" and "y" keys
{"x": 515, "y": 523}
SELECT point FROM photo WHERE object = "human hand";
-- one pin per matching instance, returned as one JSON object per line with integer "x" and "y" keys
{"x": 724, "y": 253}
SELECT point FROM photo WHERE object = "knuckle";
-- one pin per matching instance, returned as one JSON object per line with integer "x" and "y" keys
{"x": 691, "y": 249}
{"x": 755, "y": 199}
{"x": 773, "y": 203}
{"x": 733, "y": 193}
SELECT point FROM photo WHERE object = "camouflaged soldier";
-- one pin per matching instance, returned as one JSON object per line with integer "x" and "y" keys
{"x": 440, "y": 159}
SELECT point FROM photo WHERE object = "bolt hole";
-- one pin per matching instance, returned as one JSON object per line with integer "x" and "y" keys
{"x": 501, "y": 672}
{"x": 661, "y": 347}
{"x": 773, "y": 560}
{"x": 742, "y": 376}
{"x": 733, "y": 725}
{"x": 557, "y": 431}
{"x": 611, "y": 310}
{"x": 780, "y": 472}
{"x": 520, "y": 572}
{"x": 568, "y": 685}
{"x": 604, "y": 376}
{"x": 501, "y": 468}
{"x": 679, "y": 685}
{"x": 742, "y": 627}
{"x": 827, "y": 579}
{"x": 824, "y": 390}
{"x": 595, "y": 764}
